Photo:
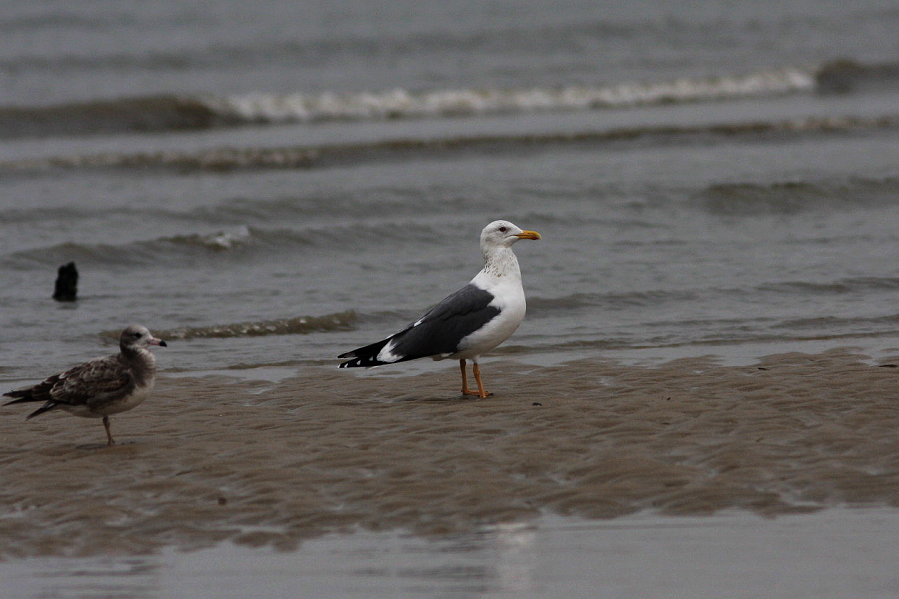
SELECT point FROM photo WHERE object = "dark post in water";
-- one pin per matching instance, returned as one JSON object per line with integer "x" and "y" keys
{"x": 66, "y": 283}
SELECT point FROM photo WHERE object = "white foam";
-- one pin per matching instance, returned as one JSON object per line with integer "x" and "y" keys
{"x": 226, "y": 240}
{"x": 400, "y": 103}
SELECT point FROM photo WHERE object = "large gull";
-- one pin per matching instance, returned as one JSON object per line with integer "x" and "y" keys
{"x": 468, "y": 323}
{"x": 101, "y": 387}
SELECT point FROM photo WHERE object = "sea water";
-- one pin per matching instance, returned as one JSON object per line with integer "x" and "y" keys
{"x": 269, "y": 186}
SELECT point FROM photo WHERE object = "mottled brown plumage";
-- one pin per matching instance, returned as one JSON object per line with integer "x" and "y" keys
{"x": 100, "y": 387}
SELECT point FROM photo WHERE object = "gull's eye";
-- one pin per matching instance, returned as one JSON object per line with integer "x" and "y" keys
{"x": 503, "y": 229}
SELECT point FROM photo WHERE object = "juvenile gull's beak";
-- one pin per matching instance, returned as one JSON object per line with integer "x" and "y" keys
{"x": 160, "y": 342}
{"x": 528, "y": 235}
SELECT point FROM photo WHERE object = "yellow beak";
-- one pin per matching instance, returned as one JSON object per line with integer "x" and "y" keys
{"x": 528, "y": 235}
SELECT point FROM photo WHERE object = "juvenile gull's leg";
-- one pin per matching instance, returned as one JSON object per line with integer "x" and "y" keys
{"x": 109, "y": 440}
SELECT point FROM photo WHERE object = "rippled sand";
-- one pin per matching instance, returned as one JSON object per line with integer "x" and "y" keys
{"x": 212, "y": 459}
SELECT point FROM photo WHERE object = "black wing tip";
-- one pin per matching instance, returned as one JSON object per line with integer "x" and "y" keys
{"x": 364, "y": 356}
{"x": 26, "y": 397}
{"x": 349, "y": 363}
{"x": 363, "y": 362}
{"x": 355, "y": 363}
{"x": 19, "y": 397}
{"x": 44, "y": 408}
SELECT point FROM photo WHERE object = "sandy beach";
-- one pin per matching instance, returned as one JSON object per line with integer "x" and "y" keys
{"x": 264, "y": 464}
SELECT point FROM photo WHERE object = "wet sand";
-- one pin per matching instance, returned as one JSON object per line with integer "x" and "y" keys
{"x": 262, "y": 464}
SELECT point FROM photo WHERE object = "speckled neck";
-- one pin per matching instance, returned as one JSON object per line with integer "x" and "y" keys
{"x": 501, "y": 262}
{"x": 142, "y": 362}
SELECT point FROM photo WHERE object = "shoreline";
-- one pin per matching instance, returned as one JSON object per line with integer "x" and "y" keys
{"x": 275, "y": 463}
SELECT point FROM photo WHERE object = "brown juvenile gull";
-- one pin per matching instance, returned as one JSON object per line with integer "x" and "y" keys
{"x": 101, "y": 387}
{"x": 468, "y": 323}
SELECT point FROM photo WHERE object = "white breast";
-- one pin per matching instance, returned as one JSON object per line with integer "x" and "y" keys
{"x": 509, "y": 298}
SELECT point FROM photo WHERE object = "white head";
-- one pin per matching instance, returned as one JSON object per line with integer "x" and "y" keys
{"x": 502, "y": 233}
{"x": 138, "y": 337}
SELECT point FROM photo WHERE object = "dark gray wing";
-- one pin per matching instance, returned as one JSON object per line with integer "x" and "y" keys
{"x": 444, "y": 326}
{"x": 439, "y": 331}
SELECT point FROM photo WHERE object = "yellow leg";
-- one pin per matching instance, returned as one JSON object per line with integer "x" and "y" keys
{"x": 465, "y": 389}
{"x": 477, "y": 377}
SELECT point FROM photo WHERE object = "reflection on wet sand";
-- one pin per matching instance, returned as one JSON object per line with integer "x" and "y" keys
{"x": 832, "y": 554}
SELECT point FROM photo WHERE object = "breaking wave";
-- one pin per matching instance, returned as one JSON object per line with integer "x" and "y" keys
{"x": 172, "y": 250}
{"x": 299, "y": 325}
{"x": 400, "y": 103}
{"x": 173, "y": 113}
